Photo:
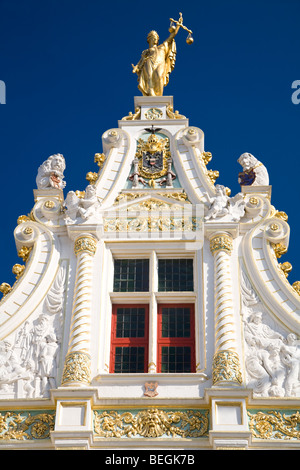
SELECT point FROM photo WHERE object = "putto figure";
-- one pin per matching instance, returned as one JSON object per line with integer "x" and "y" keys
{"x": 51, "y": 173}
{"x": 254, "y": 172}
{"x": 158, "y": 61}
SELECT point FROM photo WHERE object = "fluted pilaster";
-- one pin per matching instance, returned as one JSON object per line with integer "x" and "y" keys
{"x": 226, "y": 364}
{"x": 77, "y": 368}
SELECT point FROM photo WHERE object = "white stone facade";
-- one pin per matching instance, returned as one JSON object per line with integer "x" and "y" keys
{"x": 56, "y": 321}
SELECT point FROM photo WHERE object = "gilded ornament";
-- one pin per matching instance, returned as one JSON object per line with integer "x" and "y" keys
{"x": 80, "y": 194}
{"x": 274, "y": 227}
{"x": 126, "y": 197}
{"x": 22, "y": 427}
{"x": 5, "y": 288}
{"x": 275, "y": 425}
{"x": 285, "y": 268}
{"x": 173, "y": 115}
{"x": 213, "y": 175}
{"x": 221, "y": 242}
{"x": 153, "y": 113}
{"x": 23, "y": 218}
{"x": 296, "y": 286}
{"x": 281, "y": 215}
{"x": 153, "y": 157}
{"x": 77, "y": 368}
{"x": 152, "y": 423}
{"x": 133, "y": 116}
{"x": 99, "y": 158}
{"x": 253, "y": 200}
{"x": 206, "y": 157}
{"x": 279, "y": 249}
{"x": 18, "y": 270}
{"x": 49, "y": 204}
{"x": 85, "y": 243}
{"x": 180, "y": 196}
{"x": 145, "y": 224}
{"x": 226, "y": 367}
{"x": 28, "y": 230}
{"x": 92, "y": 177}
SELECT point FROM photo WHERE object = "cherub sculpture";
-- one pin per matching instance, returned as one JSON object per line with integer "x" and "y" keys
{"x": 222, "y": 205}
{"x": 89, "y": 204}
{"x": 85, "y": 207}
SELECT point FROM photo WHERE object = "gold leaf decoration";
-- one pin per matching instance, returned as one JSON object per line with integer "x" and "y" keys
{"x": 152, "y": 423}
{"x": 275, "y": 425}
{"x": 20, "y": 427}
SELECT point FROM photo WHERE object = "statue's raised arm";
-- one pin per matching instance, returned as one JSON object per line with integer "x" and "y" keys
{"x": 158, "y": 61}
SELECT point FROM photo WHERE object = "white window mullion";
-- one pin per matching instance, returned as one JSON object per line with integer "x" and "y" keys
{"x": 105, "y": 312}
{"x": 199, "y": 333}
{"x": 153, "y": 286}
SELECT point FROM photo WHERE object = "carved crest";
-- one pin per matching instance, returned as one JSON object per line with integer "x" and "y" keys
{"x": 153, "y": 156}
{"x": 151, "y": 389}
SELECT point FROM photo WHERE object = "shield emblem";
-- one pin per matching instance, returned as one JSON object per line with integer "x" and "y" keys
{"x": 152, "y": 162}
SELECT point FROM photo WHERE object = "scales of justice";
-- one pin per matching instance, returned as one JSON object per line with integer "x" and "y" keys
{"x": 158, "y": 61}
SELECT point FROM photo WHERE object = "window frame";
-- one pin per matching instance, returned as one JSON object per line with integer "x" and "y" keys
{"x": 153, "y": 298}
{"x": 172, "y": 279}
{"x": 145, "y": 279}
{"x": 128, "y": 341}
{"x": 176, "y": 341}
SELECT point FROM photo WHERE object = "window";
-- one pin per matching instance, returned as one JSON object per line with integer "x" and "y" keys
{"x": 129, "y": 340}
{"x": 176, "y": 338}
{"x": 175, "y": 275}
{"x": 130, "y": 349}
{"x": 131, "y": 275}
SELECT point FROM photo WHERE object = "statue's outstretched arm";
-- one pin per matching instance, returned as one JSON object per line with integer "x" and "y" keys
{"x": 174, "y": 29}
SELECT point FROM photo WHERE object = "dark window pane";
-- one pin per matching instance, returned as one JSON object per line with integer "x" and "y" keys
{"x": 131, "y": 275}
{"x": 129, "y": 359}
{"x": 130, "y": 322}
{"x": 176, "y": 322}
{"x": 175, "y": 275}
{"x": 176, "y": 359}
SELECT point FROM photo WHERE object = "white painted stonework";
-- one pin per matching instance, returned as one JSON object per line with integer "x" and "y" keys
{"x": 55, "y": 322}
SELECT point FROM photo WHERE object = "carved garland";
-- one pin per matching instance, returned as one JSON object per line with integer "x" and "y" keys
{"x": 152, "y": 423}
{"x": 15, "y": 426}
{"x": 157, "y": 224}
{"x": 275, "y": 425}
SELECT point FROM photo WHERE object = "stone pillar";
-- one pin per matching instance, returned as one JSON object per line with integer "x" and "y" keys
{"x": 77, "y": 367}
{"x": 226, "y": 363}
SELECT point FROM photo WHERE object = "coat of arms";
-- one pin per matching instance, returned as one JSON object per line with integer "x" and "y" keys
{"x": 152, "y": 160}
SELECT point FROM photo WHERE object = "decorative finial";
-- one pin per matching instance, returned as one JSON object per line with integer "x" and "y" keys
{"x": 158, "y": 61}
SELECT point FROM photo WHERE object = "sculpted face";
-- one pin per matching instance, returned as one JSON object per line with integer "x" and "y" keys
{"x": 152, "y": 38}
{"x": 57, "y": 163}
{"x": 90, "y": 191}
{"x": 247, "y": 161}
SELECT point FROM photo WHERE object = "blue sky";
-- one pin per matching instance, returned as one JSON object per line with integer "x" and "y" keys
{"x": 67, "y": 69}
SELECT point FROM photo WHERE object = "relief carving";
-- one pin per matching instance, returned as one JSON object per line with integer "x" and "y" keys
{"x": 29, "y": 361}
{"x": 85, "y": 207}
{"x": 233, "y": 208}
{"x": 272, "y": 356}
